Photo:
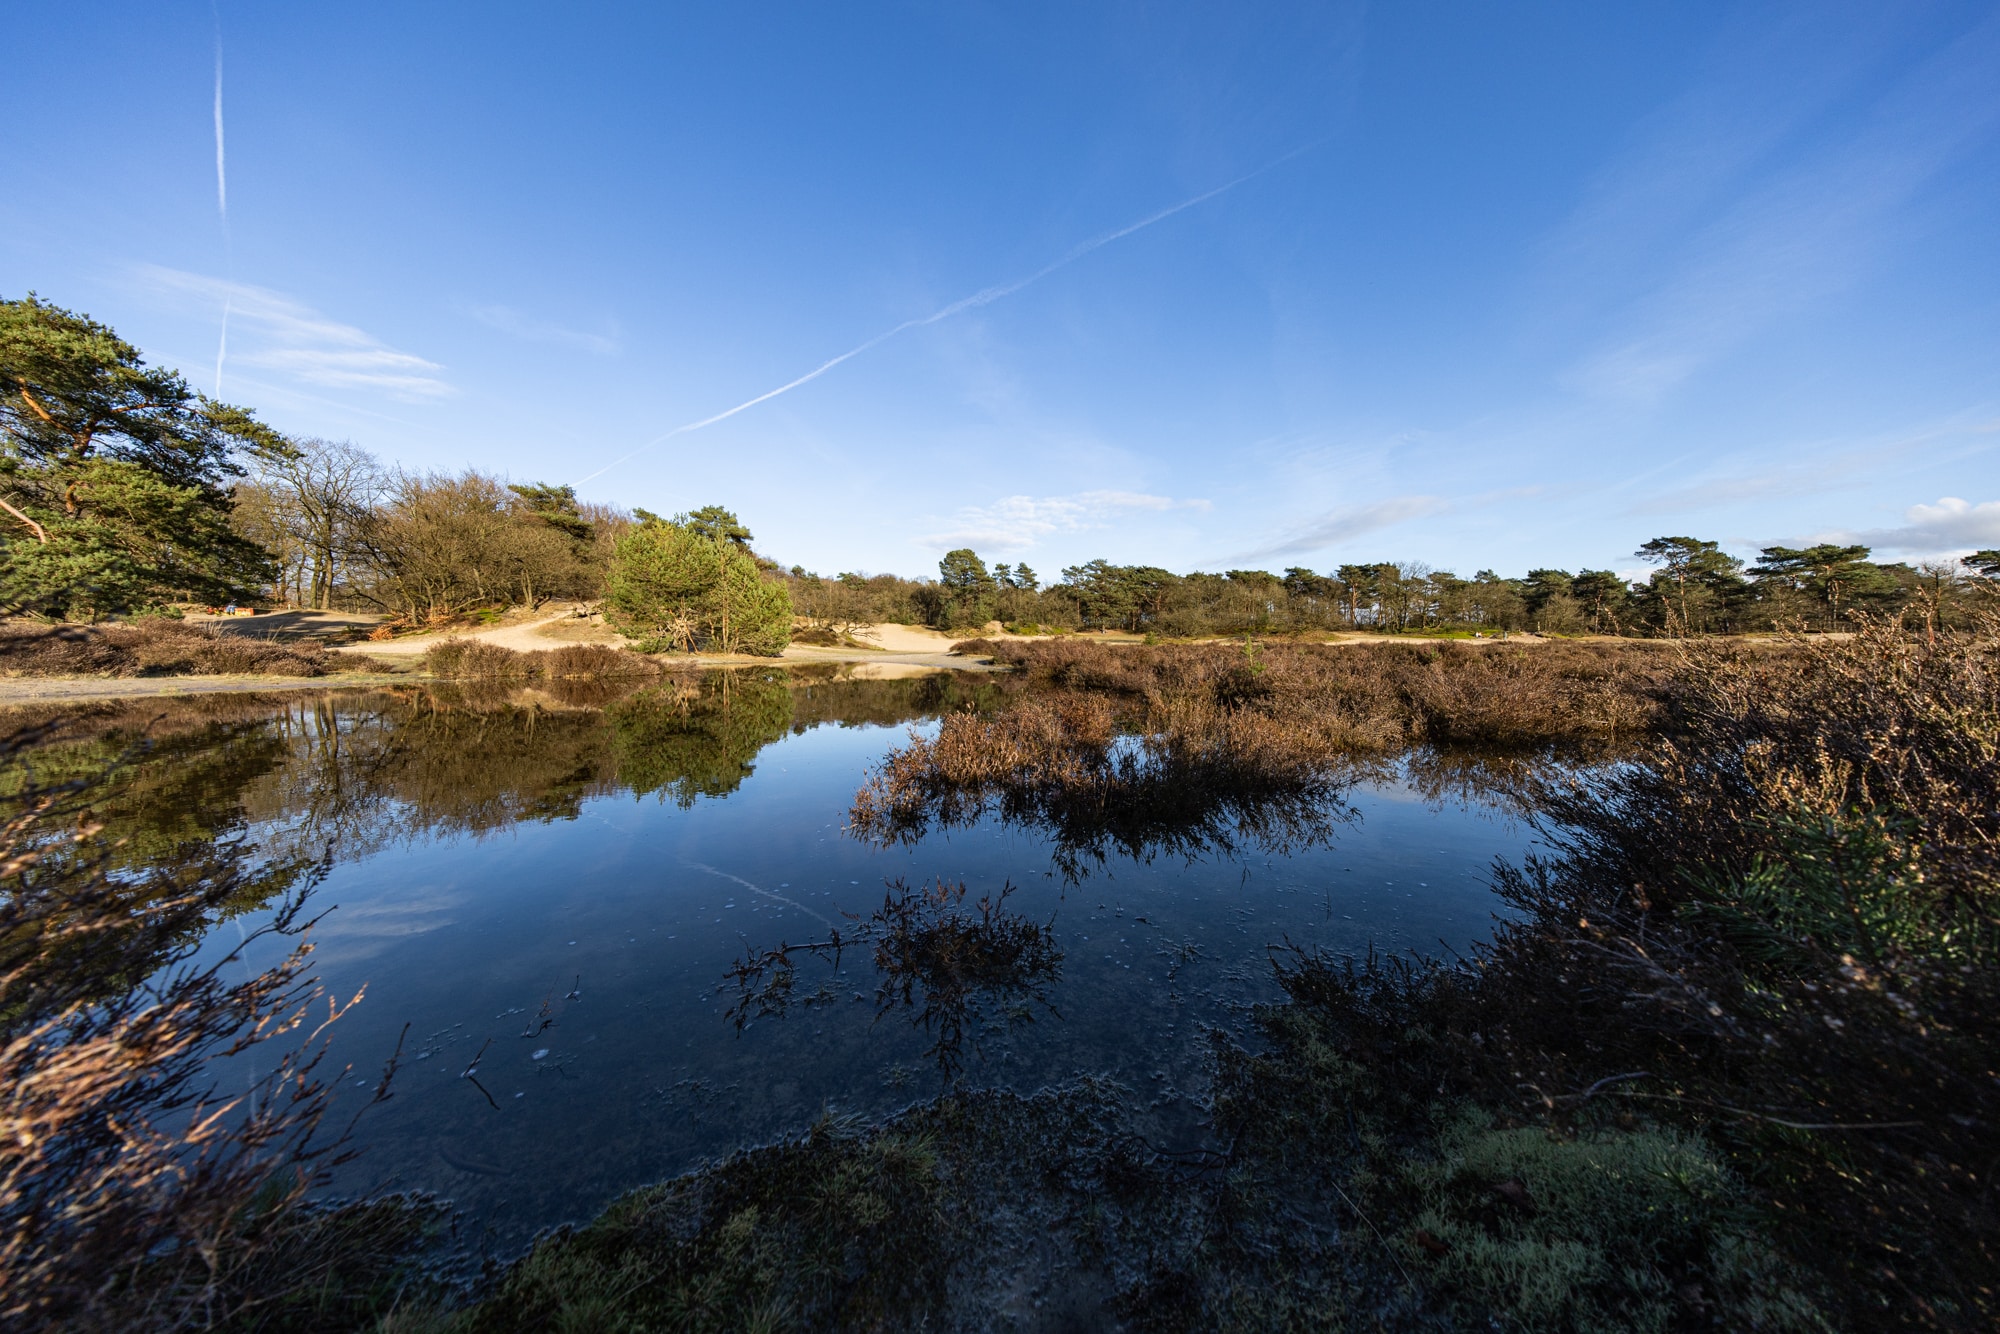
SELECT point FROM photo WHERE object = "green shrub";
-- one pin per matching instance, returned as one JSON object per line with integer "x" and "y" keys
{"x": 1602, "y": 1231}
{"x": 674, "y": 586}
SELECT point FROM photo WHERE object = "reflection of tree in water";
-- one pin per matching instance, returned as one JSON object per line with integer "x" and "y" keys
{"x": 357, "y": 771}
{"x": 153, "y": 828}
{"x": 956, "y": 970}
{"x": 1063, "y": 765}
{"x": 1511, "y": 782}
{"x": 154, "y": 793}
{"x": 686, "y": 741}
{"x": 374, "y": 770}
{"x": 822, "y": 696}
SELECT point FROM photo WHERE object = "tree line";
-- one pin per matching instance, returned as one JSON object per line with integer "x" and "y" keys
{"x": 124, "y": 490}
{"x": 1695, "y": 588}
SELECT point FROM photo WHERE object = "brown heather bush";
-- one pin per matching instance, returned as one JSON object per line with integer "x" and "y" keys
{"x": 1224, "y": 744}
{"x": 1777, "y": 932}
{"x": 155, "y": 648}
{"x": 1377, "y": 696}
{"x": 476, "y": 660}
{"x": 1207, "y": 780}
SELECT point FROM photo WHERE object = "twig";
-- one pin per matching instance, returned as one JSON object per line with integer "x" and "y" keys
{"x": 1394, "y": 1259}
{"x": 1778, "y": 1120}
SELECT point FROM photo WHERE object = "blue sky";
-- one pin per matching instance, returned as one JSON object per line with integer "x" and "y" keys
{"x": 1197, "y": 286}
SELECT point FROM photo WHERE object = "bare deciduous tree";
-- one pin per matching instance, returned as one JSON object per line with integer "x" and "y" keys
{"x": 311, "y": 510}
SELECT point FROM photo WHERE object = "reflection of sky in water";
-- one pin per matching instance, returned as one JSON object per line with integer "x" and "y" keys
{"x": 638, "y": 907}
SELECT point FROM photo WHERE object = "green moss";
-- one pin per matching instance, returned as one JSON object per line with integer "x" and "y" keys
{"x": 1610, "y": 1231}
{"x": 836, "y": 1229}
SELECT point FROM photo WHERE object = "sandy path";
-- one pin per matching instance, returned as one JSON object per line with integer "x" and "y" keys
{"x": 905, "y": 651}
{"x": 909, "y": 638}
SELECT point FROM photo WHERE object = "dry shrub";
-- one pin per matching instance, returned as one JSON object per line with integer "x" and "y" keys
{"x": 1776, "y": 930}
{"x": 584, "y": 661}
{"x": 134, "y": 1196}
{"x": 1205, "y": 779}
{"x": 1227, "y": 742}
{"x": 1888, "y": 723}
{"x": 478, "y": 660}
{"x": 473, "y": 660}
{"x": 153, "y": 648}
{"x": 1378, "y": 696}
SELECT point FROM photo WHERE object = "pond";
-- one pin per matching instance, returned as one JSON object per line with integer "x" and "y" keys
{"x": 570, "y": 909}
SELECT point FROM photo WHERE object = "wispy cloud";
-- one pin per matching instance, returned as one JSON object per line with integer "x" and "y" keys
{"x": 983, "y": 297}
{"x": 1018, "y": 522}
{"x": 1817, "y": 466}
{"x": 1797, "y": 479}
{"x": 529, "y": 329}
{"x": 1790, "y": 237}
{"x": 297, "y": 341}
{"x": 1343, "y": 525}
{"x": 1951, "y": 525}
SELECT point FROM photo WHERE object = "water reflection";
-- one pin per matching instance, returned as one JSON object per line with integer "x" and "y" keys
{"x": 955, "y": 971}
{"x": 548, "y": 883}
{"x": 1066, "y": 768}
{"x": 354, "y": 772}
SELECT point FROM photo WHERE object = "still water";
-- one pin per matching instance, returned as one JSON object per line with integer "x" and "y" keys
{"x": 551, "y": 892}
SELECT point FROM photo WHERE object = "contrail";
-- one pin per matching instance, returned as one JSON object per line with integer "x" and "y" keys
{"x": 221, "y": 166}
{"x": 221, "y": 198}
{"x": 985, "y": 296}
{"x": 759, "y": 889}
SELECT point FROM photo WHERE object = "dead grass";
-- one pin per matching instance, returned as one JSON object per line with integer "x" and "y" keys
{"x": 156, "y": 648}
{"x": 1376, "y": 697}
{"x": 1206, "y": 779}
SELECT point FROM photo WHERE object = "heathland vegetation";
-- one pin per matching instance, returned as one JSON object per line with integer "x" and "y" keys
{"x": 1727, "y": 1061}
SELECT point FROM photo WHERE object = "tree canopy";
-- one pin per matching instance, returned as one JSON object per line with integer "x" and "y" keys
{"x": 686, "y": 585}
{"x": 114, "y": 475}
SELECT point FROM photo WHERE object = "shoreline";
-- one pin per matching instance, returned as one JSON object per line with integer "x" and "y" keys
{"x": 19, "y": 690}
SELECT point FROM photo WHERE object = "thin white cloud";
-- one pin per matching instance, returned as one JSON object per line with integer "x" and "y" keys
{"x": 1791, "y": 237}
{"x": 1344, "y": 525}
{"x": 297, "y": 341}
{"x": 529, "y": 329}
{"x": 1817, "y": 466}
{"x": 1792, "y": 480}
{"x": 983, "y": 297}
{"x": 1951, "y": 526}
{"x": 1018, "y": 522}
